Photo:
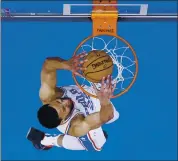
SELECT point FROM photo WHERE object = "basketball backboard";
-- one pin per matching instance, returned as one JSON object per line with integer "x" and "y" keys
{"x": 77, "y": 11}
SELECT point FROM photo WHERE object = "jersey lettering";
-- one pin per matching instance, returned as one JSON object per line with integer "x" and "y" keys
{"x": 83, "y": 99}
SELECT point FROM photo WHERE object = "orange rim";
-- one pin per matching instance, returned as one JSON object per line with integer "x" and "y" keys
{"x": 136, "y": 64}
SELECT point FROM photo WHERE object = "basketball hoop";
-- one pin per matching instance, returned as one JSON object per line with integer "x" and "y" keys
{"x": 105, "y": 38}
{"x": 124, "y": 60}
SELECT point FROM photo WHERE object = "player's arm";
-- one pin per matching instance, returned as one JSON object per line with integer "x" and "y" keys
{"x": 70, "y": 142}
{"x": 82, "y": 125}
{"x": 48, "y": 88}
{"x": 64, "y": 141}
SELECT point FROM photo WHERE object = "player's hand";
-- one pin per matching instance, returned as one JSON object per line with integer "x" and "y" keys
{"x": 76, "y": 62}
{"x": 106, "y": 91}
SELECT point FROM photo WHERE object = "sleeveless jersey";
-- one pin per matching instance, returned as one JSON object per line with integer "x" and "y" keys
{"x": 83, "y": 104}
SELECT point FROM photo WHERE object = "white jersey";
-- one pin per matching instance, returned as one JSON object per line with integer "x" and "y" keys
{"x": 84, "y": 104}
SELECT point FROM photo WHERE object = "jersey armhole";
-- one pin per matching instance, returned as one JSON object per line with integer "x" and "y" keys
{"x": 62, "y": 90}
{"x": 69, "y": 125}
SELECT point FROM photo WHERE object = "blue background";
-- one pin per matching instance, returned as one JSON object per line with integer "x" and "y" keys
{"x": 147, "y": 125}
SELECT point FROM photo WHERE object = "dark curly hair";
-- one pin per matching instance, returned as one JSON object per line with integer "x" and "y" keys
{"x": 48, "y": 117}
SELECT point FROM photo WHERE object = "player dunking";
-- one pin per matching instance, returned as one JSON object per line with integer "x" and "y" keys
{"x": 71, "y": 111}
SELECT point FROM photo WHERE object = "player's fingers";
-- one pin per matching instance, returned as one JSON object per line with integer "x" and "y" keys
{"x": 103, "y": 84}
{"x": 75, "y": 66}
{"x": 81, "y": 55}
{"x": 77, "y": 58}
{"x": 108, "y": 82}
{"x": 113, "y": 87}
{"x": 82, "y": 69}
{"x": 83, "y": 61}
{"x": 78, "y": 55}
{"x": 77, "y": 69}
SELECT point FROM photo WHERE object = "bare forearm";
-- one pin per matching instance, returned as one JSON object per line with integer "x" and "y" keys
{"x": 106, "y": 112}
{"x": 92, "y": 121}
{"x": 69, "y": 142}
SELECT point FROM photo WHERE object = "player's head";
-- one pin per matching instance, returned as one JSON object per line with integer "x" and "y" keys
{"x": 51, "y": 115}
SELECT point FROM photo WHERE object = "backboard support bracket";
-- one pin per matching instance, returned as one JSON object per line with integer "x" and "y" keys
{"x": 110, "y": 7}
{"x": 104, "y": 18}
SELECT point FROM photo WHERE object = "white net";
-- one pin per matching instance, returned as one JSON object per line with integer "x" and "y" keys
{"x": 124, "y": 60}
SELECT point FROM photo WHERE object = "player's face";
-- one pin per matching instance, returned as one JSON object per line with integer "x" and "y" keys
{"x": 62, "y": 106}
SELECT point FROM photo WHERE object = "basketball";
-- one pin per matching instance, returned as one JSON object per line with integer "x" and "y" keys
{"x": 99, "y": 65}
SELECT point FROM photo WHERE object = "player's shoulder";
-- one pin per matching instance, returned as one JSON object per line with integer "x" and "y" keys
{"x": 77, "y": 118}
